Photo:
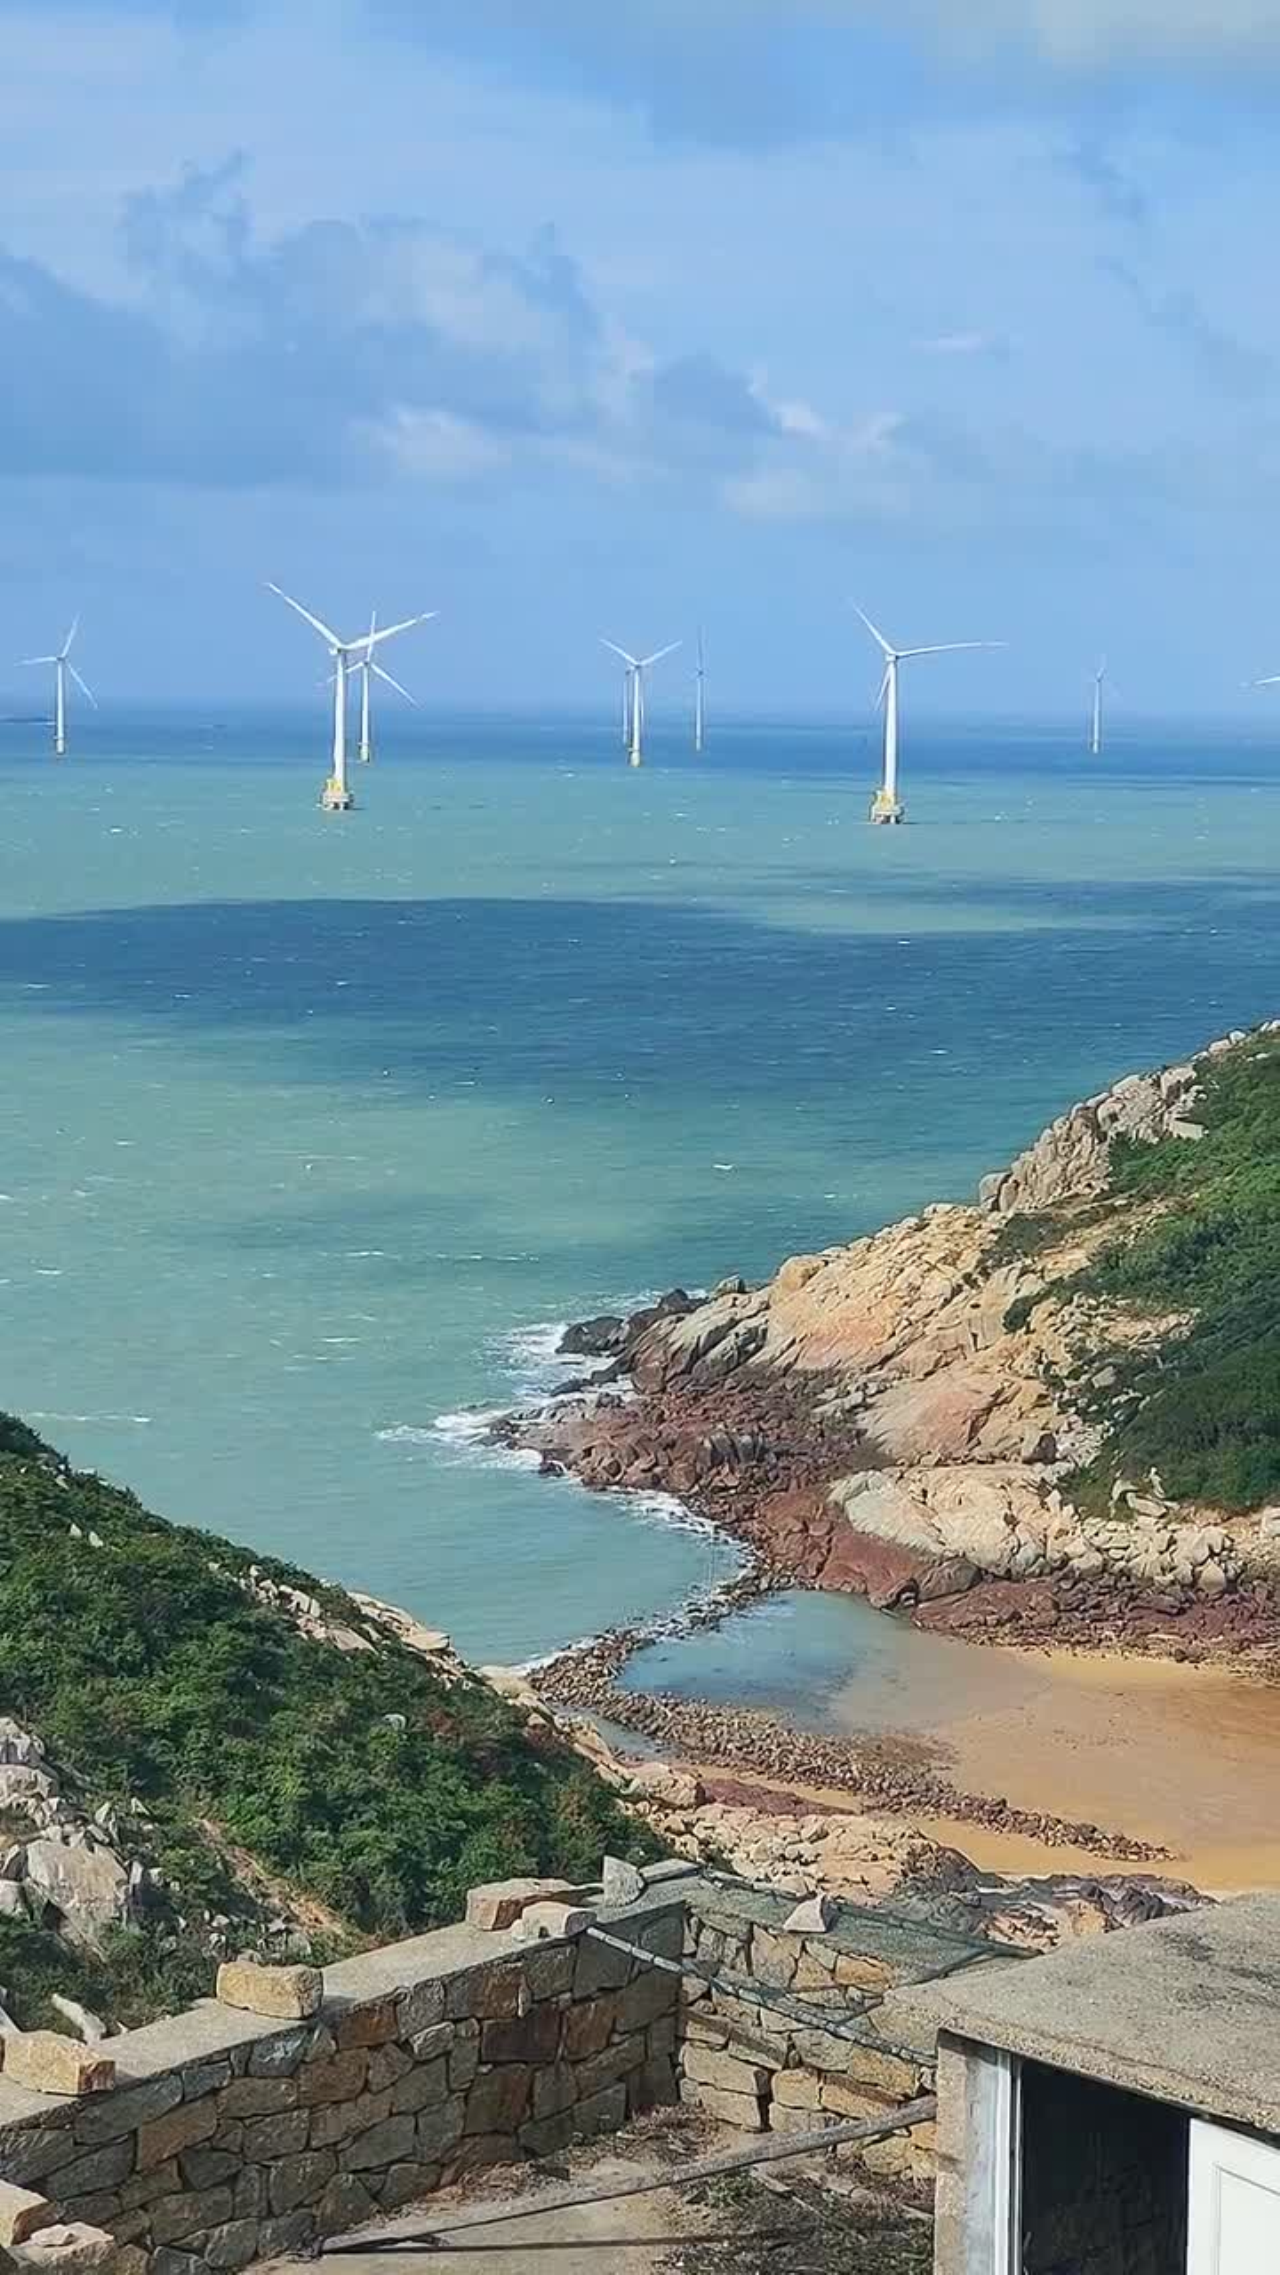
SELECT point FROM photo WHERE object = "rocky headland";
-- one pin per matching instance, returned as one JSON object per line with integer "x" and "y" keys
{"x": 956, "y": 1418}
{"x": 923, "y": 1417}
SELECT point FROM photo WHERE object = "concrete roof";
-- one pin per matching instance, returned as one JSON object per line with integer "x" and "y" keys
{"x": 1186, "y": 2011}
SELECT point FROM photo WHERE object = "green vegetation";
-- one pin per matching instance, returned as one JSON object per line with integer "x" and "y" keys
{"x": 1204, "y": 1408}
{"x": 134, "y": 1977}
{"x": 261, "y": 1772}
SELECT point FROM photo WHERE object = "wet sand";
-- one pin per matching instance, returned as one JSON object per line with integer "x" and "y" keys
{"x": 1185, "y": 1756}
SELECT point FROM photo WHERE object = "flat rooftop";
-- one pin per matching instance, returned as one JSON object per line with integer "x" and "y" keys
{"x": 1186, "y": 2011}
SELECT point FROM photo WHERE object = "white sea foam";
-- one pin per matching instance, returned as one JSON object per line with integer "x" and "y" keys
{"x": 463, "y": 1437}
{"x": 540, "y": 1372}
{"x": 136, "y": 1421}
{"x": 665, "y": 1510}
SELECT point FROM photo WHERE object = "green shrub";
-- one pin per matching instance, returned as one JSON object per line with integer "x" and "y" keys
{"x": 154, "y": 1677}
{"x": 1206, "y": 1406}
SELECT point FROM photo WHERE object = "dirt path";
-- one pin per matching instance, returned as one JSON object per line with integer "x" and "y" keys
{"x": 817, "y": 2220}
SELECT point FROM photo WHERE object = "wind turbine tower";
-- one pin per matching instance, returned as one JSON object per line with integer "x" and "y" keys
{"x": 368, "y": 670}
{"x": 633, "y": 694}
{"x": 1095, "y": 727}
{"x": 346, "y": 656}
{"x": 62, "y": 667}
{"x": 700, "y": 697}
{"x": 886, "y": 805}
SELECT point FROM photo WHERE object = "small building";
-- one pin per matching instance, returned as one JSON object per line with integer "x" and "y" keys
{"x": 1113, "y": 2107}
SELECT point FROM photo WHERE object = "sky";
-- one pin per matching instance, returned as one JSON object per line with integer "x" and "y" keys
{"x": 573, "y": 319}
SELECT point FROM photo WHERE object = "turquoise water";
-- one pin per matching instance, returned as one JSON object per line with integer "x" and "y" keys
{"x": 832, "y": 1664}
{"x": 312, "y": 1129}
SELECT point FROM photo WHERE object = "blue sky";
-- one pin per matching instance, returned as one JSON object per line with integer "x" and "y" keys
{"x": 570, "y": 318}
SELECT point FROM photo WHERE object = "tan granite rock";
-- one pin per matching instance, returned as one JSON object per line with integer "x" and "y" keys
{"x": 541, "y": 1921}
{"x": 21, "y": 2213}
{"x": 499, "y": 1903}
{"x": 289, "y": 1994}
{"x": 70, "y": 2248}
{"x": 44, "y": 2062}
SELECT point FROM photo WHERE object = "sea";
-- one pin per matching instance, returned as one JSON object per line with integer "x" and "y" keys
{"x": 315, "y": 1130}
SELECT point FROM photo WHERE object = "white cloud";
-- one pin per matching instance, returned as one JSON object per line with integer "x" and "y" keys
{"x": 1064, "y": 32}
{"x": 438, "y": 446}
{"x": 1085, "y": 32}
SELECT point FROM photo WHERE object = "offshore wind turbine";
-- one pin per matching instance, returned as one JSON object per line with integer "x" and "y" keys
{"x": 886, "y": 806}
{"x": 633, "y": 694}
{"x": 369, "y": 670}
{"x": 700, "y": 697}
{"x": 346, "y": 656}
{"x": 1095, "y": 727}
{"x": 62, "y": 666}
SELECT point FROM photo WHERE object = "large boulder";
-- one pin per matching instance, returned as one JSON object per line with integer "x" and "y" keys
{"x": 86, "y": 1884}
{"x": 998, "y": 1518}
{"x": 17, "y": 1744}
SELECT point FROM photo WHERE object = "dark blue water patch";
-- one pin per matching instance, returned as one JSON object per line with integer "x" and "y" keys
{"x": 1016, "y": 755}
{"x": 593, "y": 1002}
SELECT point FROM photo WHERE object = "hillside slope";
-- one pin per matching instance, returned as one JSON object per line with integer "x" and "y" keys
{"x": 205, "y": 1751}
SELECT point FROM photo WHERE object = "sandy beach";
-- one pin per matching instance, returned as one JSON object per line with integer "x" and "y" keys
{"x": 1188, "y": 1757}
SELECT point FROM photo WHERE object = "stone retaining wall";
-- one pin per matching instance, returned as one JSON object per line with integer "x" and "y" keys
{"x": 765, "y": 2071}
{"x": 228, "y": 2139}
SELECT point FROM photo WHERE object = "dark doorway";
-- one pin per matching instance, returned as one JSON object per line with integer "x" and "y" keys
{"x": 1104, "y": 2179}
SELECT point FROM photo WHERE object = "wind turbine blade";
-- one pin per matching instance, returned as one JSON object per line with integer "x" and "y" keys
{"x": 66, "y": 645}
{"x": 83, "y": 685}
{"x": 883, "y": 689}
{"x": 1274, "y": 681}
{"x": 57, "y": 659}
{"x": 659, "y": 653}
{"x": 325, "y": 631}
{"x": 876, "y": 634}
{"x": 951, "y": 648}
{"x": 379, "y": 673}
{"x": 375, "y": 639}
{"x": 628, "y": 660}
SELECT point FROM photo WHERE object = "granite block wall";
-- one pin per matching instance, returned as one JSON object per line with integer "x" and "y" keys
{"x": 229, "y": 2139}
{"x": 766, "y": 2071}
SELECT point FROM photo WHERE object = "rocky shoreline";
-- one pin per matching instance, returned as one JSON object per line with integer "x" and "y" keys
{"x": 901, "y": 1418}
{"x": 585, "y": 1681}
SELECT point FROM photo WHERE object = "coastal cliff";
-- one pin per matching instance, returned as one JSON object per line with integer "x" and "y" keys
{"x": 1056, "y": 1410}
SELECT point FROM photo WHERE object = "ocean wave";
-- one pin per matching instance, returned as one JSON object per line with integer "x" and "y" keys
{"x": 463, "y": 1437}
{"x": 664, "y": 1509}
{"x": 136, "y": 1421}
{"x": 532, "y": 1356}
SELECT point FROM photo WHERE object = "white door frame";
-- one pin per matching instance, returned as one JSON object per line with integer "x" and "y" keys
{"x": 1214, "y": 2151}
{"x": 993, "y": 2206}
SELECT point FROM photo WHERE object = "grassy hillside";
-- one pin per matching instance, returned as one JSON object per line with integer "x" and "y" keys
{"x": 1204, "y": 1408}
{"x": 258, "y": 1771}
